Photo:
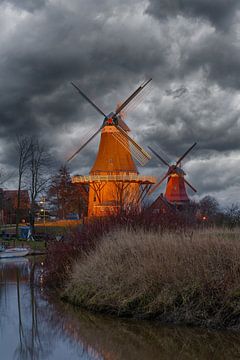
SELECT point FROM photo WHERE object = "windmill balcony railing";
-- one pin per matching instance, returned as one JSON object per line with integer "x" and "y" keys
{"x": 115, "y": 178}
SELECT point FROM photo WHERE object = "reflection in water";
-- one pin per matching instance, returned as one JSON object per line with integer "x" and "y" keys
{"x": 25, "y": 326}
{"x": 117, "y": 339}
{"x": 34, "y": 326}
{"x": 30, "y": 344}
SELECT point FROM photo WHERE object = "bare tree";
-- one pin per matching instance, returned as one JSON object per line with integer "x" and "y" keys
{"x": 23, "y": 147}
{"x": 66, "y": 197}
{"x": 4, "y": 176}
{"x": 232, "y": 215}
{"x": 209, "y": 207}
{"x": 38, "y": 175}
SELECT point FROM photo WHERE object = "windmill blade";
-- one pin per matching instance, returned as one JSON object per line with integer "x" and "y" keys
{"x": 137, "y": 100}
{"x": 120, "y": 117}
{"x": 88, "y": 100}
{"x": 132, "y": 96}
{"x": 85, "y": 144}
{"x": 185, "y": 154}
{"x": 158, "y": 156}
{"x": 193, "y": 188}
{"x": 154, "y": 188}
{"x": 130, "y": 148}
{"x": 123, "y": 125}
{"x": 134, "y": 145}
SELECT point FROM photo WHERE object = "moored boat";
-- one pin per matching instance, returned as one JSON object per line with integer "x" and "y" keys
{"x": 13, "y": 252}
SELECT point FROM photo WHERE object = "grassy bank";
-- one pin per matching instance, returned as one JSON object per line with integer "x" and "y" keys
{"x": 181, "y": 277}
{"x": 34, "y": 245}
{"x": 61, "y": 255}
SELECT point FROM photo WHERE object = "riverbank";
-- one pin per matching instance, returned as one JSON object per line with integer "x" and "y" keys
{"x": 180, "y": 277}
{"x": 35, "y": 247}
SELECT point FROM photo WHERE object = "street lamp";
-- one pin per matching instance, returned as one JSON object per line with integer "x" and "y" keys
{"x": 43, "y": 211}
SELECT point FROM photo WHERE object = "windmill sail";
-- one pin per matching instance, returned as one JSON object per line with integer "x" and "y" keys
{"x": 137, "y": 100}
{"x": 136, "y": 150}
{"x": 132, "y": 96}
{"x": 89, "y": 137}
{"x": 155, "y": 187}
{"x": 193, "y": 188}
{"x": 133, "y": 150}
{"x": 88, "y": 99}
{"x": 159, "y": 157}
{"x": 185, "y": 154}
{"x": 123, "y": 125}
{"x": 115, "y": 119}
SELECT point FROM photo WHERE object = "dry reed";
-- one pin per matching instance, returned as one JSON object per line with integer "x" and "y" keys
{"x": 188, "y": 277}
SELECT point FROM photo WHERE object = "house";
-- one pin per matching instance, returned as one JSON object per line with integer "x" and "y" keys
{"x": 8, "y": 206}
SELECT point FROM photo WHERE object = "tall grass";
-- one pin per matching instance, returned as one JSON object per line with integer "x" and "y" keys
{"x": 62, "y": 254}
{"x": 182, "y": 276}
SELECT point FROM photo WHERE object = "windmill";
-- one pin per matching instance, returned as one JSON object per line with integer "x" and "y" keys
{"x": 114, "y": 181}
{"x": 175, "y": 190}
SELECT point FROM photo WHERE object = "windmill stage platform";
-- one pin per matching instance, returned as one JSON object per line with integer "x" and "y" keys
{"x": 108, "y": 193}
{"x": 131, "y": 178}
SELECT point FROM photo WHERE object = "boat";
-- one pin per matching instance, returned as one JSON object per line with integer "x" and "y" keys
{"x": 13, "y": 252}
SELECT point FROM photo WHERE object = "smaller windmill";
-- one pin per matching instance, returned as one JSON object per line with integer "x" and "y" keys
{"x": 175, "y": 190}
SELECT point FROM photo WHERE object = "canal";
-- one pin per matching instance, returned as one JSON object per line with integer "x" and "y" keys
{"x": 36, "y": 326}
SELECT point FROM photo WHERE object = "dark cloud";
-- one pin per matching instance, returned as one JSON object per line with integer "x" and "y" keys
{"x": 176, "y": 93}
{"x": 28, "y": 5}
{"x": 59, "y": 45}
{"x": 211, "y": 118}
{"x": 218, "y": 12}
{"x": 219, "y": 56}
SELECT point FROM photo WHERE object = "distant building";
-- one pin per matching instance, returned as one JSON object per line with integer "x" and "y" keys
{"x": 8, "y": 206}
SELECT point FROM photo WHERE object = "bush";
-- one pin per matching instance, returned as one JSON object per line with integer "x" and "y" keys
{"x": 190, "y": 277}
{"x": 61, "y": 255}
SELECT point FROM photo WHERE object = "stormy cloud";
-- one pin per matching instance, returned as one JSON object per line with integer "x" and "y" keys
{"x": 28, "y": 5}
{"x": 219, "y": 12}
{"x": 189, "y": 48}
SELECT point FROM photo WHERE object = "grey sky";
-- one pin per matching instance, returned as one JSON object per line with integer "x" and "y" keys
{"x": 109, "y": 47}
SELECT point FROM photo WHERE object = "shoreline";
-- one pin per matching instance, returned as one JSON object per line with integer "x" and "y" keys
{"x": 153, "y": 318}
{"x": 150, "y": 319}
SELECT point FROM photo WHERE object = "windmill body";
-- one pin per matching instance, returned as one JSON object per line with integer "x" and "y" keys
{"x": 112, "y": 160}
{"x": 175, "y": 192}
{"x": 112, "y": 156}
{"x": 114, "y": 182}
{"x": 176, "y": 189}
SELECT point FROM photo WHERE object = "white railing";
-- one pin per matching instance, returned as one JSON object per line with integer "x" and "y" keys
{"x": 121, "y": 177}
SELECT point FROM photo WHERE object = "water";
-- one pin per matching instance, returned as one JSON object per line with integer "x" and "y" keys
{"x": 35, "y": 326}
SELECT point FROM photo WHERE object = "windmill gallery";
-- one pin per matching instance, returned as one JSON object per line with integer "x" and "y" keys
{"x": 114, "y": 182}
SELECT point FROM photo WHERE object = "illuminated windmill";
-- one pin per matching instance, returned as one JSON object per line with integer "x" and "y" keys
{"x": 114, "y": 182}
{"x": 175, "y": 190}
